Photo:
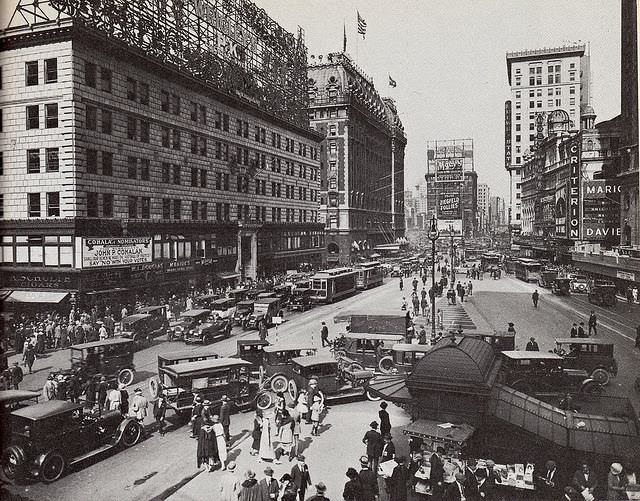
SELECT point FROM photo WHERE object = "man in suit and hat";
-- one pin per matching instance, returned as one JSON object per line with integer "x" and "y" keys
{"x": 388, "y": 449}
{"x": 548, "y": 482}
{"x": 225, "y": 417}
{"x": 454, "y": 491}
{"x": 300, "y": 476}
{"x": 373, "y": 441}
{"x": 324, "y": 335}
{"x": 320, "y": 491}
{"x": 312, "y": 391}
{"x": 196, "y": 412}
{"x": 436, "y": 476}
{"x": 368, "y": 481}
{"x": 269, "y": 485}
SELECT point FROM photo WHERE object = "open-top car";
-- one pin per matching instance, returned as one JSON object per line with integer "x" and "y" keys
{"x": 594, "y": 355}
{"x": 186, "y": 321}
{"x": 211, "y": 379}
{"x": 276, "y": 363}
{"x": 538, "y": 372}
{"x": 209, "y": 331}
{"x": 244, "y": 309}
{"x": 111, "y": 358}
{"x": 47, "y": 438}
{"x": 334, "y": 380}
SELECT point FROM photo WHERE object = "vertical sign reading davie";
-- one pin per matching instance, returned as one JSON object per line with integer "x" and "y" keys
{"x": 104, "y": 252}
{"x": 574, "y": 188}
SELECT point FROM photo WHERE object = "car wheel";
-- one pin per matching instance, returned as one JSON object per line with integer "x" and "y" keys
{"x": 601, "y": 376}
{"x": 591, "y": 387}
{"x": 131, "y": 434}
{"x": 206, "y": 340}
{"x": 292, "y": 387}
{"x": 322, "y": 397}
{"x": 385, "y": 365}
{"x": 52, "y": 467}
{"x": 264, "y": 400}
{"x": 125, "y": 377}
{"x": 371, "y": 396}
{"x": 355, "y": 366}
{"x": 279, "y": 383}
{"x": 13, "y": 463}
{"x": 154, "y": 387}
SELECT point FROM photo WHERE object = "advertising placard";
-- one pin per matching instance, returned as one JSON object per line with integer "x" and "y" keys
{"x": 507, "y": 134}
{"x": 446, "y": 224}
{"x": 574, "y": 189}
{"x": 449, "y": 169}
{"x": 118, "y": 251}
{"x": 448, "y": 206}
{"x": 560, "y": 211}
{"x": 600, "y": 210}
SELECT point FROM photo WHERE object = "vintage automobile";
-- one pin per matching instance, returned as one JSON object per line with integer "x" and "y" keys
{"x": 334, "y": 380}
{"x": 561, "y": 286}
{"x": 186, "y": 321}
{"x": 244, "y": 309}
{"x": 534, "y": 372}
{"x": 403, "y": 358}
{"x": 284, "y": 293}
{"x": 593, "y": 355}
{"x": 602, "y": 293}
{"x": 301, "y": 299}
{"x": 265, "y": 310}
{"x": 275, "y": 369}
{"x": 224, "y": 308}
{"x": 238, "y": 294}
{"x": 12, "y": 400}
{"x": 47, "y": 438}
{"x": 181, "y": 357}
{"x": 499, "y": 340}
{"x": 112, "y": 358}
{"x": 547, "y": 277}
{"x": 367, "y": 349}
{"x": 579, "y": 284}
{"x": 211, "y": 379}
{"x": 207, "y": 332}
{"x": 150, "y": 322}
{"x": 251, "y": 350}
{"x": 396, "y": 272}
{"x": 204, "y": 302}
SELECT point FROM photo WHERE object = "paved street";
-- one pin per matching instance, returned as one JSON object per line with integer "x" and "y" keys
{"x": 164, "y": 467}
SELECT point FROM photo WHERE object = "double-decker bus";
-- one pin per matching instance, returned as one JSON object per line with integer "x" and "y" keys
{"x": 528, "y": 269}
{"x": 369, "y": 274}
{"x": 490, "y": 259}
{"x": 328, "y": 286}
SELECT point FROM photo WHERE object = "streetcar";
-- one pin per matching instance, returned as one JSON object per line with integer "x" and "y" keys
{"x": 489, "y": 259}
{"x": 369, "y": 274}
{"x": 528, "y": 270}
{"x": 330, "y": 285}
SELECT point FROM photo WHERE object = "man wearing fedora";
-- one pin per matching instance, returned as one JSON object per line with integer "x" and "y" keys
{"x": 249, "y": 488}
{"x": 397, "y": 483}
{"x": 225, "y": 417}
{"x": 368, "y": 481}
{"x": 269, "y": 485}
{"x": 300, "y": 476}
{"x": 373, "y": 441}
{"x": 388, "y": 449}
{"x": 320, "y": 491}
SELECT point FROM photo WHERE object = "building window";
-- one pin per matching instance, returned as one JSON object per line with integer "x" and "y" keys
{"x": 518, "y": 94}
{"x": 107, "y": 122}
{"x": 92, "y": 204}
{"x": 177, "y": 205}
{"x": 165, "y": 137}
{"x": 225, "y": 184}
{"x": 90, "y": 73}
{"x": 91, "y": 121}
{"x": 144, "y": 131}
{"x": 145, "y": 164}
{"x": 176, "y": 139}
{"x": 105, "y": 79}
{"x": 164, "y": 100}
{"x": 194, "y": 177}
{"x": 517, "y": 137}
{"x": 203, "y": 146}
{"x": 558, "y": 91}
{"x": 132, "y": 128}
{"x": 33, "y": 117}
{"x": 146, "y": 208}
{"x": 166, "y": 208}
{"x": 194, "y": 209}
{"x": 194, "y": 144}
{"x": 51, "y": 115}
{"x": 532, "y": 126}
{"x": 92, "y": 161}
{"x": 532, "y": 93}
{"x": 176, "y": 174}
{"x": 203, "y": 211}
{"x": 33, "y": 204}
{"x": 31, "y": 73}
{"x": 107, "y": 205}
{"x": 132, "y": 89}
{"x": 194, "y": 113}
{"x": 107, "y": 163}
{"x": 572, "y": 101}
{"x": 132, "y": 167}
{"x": 33, "y": 161}
{"x": 175, "y": 104}
{"x": 133, "y": 207}
{"x": 144, "y": 93}
{"x": 550, "y": 103}
{"x": 558, "y": 103}
{"x": 225, "y": 122}
{"x": 203, "y": 178}
{"x": 50, "y": 70}
{"x": 538, "y": 104}
{"x": 532, "y": 137}
{"x": 203, "y": 116}
{"x": 53, "y": 204}
{"x": 518, "y": 116}
{"x": 53, "y": 162}
{"x": 518, "y": 81}
{"x": 518, "y": 127}
{"x": 518, "y": 105}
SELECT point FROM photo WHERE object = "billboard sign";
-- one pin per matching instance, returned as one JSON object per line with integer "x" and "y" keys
{"x": 445, "y": 224}
{"x": 560, "y": 211}
{"x": 107, "y": 252}
{"x": 449, "y": 206}
{"x": 449, "y": 169}
{"x": 574, "y": 189}
{"x": 600, "y": 210}
{"x": 507, "y": 134}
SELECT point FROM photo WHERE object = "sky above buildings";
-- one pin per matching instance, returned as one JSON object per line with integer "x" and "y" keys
{"x": 448, "y": 59}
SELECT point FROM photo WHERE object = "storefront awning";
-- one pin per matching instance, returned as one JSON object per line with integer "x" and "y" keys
{"x": 36, "y": 297}
{"x": 228, "y": 276}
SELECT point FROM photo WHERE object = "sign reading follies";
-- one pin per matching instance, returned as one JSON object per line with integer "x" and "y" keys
{"x": 104, "y": 252}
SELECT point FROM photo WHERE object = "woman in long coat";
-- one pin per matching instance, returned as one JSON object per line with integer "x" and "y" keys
{"x": 256, "y": 433}
{"x": 207, "y": 446}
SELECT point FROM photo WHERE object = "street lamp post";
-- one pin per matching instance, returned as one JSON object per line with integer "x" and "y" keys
{"x": 433, "y": 235}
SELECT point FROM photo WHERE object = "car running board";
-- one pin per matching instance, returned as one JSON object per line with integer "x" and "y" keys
{"x": 103, "y": 448}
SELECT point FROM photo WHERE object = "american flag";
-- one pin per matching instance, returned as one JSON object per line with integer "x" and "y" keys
{"x": 362, "y": 25}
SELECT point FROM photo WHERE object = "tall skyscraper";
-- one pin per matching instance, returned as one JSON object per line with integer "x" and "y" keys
{"x": 483, "y": 207}
{"x": 541, "y": 81}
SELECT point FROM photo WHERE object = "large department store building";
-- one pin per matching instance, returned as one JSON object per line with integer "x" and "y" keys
{"x": 153, "y": 148}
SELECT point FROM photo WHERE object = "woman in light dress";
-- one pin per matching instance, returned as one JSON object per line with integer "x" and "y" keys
{"x": 266, "y": 438}
{"x": 113, "y": 398}
{"x": 222, "y": 443}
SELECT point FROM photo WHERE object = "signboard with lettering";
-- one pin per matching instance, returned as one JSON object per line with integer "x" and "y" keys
{"x": 449, "y": 169}
{"x": 107, "y": 252}
{"x": 601, "y": 210}
{"x": 507, "y": 134}
{"x": 574, "y": 189}
{"x": 446, "y": 224}
{"x": 560, "y": 211}
{"x": 449, "y": 206}
{"x": 38, "y": 280}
